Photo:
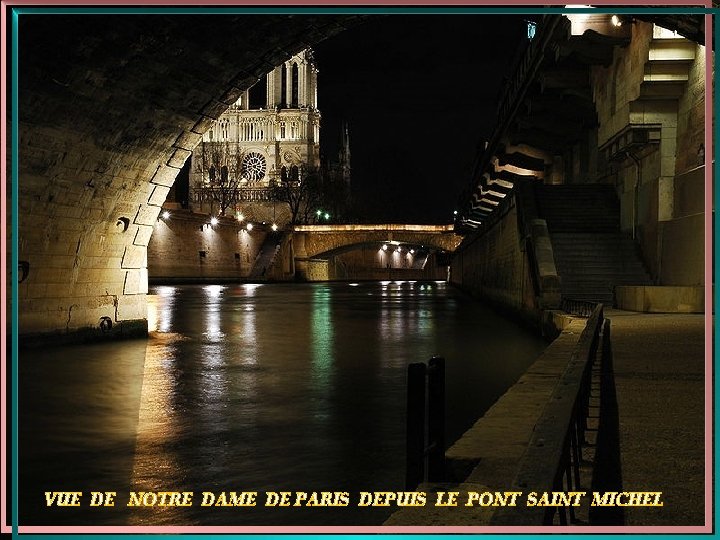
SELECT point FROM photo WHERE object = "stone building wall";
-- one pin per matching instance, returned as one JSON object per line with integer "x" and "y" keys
{"x": 658, "y": 80}
{"x": 493, "y": 267}
{"x": 691, "y": 117}
{"x": 186, "y": 246}
{"x": 371, "y": 263}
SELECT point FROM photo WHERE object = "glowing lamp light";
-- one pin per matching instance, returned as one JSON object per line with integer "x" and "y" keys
{"x": 249, "y": 226}
{"x": 615, "y": 20}
{"x": 412, "y": 251}
{"x": 213, "y": 220}
{"x": 531, "y": 29}
{"x": 384, "y": 247}
{"x": 319, "y": 213}
{"x": 327, "y": 216}
{"x": 274, "y": 227}
{"x": 165, "y": 214}
{"x": 239, "y": 216}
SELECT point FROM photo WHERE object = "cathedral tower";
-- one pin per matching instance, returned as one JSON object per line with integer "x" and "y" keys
{"x": 271, "y": 135}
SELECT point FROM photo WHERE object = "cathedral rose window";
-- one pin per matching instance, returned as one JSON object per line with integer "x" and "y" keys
{"x": 253, "y": 166}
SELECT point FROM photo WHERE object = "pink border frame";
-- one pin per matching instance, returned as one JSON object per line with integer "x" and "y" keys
{"x": 707, "y": 528}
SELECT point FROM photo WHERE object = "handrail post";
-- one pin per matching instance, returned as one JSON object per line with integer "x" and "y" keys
{"x": 436, "y": 419}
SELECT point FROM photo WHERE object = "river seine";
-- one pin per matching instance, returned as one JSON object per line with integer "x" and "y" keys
{"x": 260, "y": 388}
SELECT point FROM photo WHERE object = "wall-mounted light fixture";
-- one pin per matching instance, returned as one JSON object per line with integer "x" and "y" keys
{"x": 531, "y": 29}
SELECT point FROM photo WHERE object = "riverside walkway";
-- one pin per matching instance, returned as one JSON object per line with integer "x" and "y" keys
{"x": 658, "y": 362}
{"x": 646, "y": 427}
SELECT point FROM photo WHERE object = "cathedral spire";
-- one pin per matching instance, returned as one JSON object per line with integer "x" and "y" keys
{"x": 344, "y": 157}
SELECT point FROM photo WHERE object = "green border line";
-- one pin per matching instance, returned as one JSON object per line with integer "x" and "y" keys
{"x": 16, "y": 11}
{"x": 14, "y": 520}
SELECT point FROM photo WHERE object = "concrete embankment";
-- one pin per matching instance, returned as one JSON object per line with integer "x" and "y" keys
{"x": 648, "y": 427}
{"x": 487, "y": 456}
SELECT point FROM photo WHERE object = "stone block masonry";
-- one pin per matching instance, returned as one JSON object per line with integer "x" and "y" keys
{"x": 109, "y": 109}
{"x": 186, "y": 247}
{"x": 492, "y": 266}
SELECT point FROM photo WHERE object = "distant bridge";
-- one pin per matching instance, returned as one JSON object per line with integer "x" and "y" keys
{"x": 325, "y": 241}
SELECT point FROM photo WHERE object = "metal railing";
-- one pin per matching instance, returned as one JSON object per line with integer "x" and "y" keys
{"x": 579, "y": 308}
{"x": 239, "y": 194}
{"x": 553, "y": 457}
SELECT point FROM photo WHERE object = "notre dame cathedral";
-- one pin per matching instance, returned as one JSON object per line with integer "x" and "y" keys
{"x": 262, "y": 150}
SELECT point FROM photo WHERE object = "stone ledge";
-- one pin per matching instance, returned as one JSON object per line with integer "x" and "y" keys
{"x": 661, "y": 299}
{"x": 130, "y": 329}
{"x": 504, "y": 431}
{"x": 487, "y": 456}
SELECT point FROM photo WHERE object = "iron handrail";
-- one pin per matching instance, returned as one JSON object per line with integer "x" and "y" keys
{"x": 552, "y": 459}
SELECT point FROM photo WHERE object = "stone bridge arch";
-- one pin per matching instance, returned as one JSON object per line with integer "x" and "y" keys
{"x": 110, "y": 107}
{"x": 322, "y": 241}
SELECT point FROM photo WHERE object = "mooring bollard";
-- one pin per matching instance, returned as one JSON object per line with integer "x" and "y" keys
{"x": 415, "y": 437}
{"x": 418, "y": 446}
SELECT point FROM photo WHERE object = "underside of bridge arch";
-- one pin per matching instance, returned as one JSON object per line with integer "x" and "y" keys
{"x": 109, "y": 109}
{"x": 375, "y": 245}
{"x": 378, "y": 260}
{"x": 323, "y": 245}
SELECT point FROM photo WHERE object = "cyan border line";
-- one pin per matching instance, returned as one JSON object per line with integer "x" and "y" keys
{"x": 14, "y": 274}
{"x": 369, "y": 10}
{"x": 310, "y": 10}
{"x": 14, "y": 521}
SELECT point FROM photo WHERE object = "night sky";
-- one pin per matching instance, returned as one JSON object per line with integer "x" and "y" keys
{"x": 419, "y": 93}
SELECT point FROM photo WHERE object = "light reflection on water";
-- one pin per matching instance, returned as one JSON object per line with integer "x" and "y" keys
{"x": 277, "y": 387}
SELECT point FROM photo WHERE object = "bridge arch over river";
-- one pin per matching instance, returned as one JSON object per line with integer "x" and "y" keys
{"x": 322, "y": 241}
{"x": 380, "y": 247}
{"x": 110, "y": 108}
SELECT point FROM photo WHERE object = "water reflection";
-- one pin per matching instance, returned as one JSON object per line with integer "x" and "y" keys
{"x": 263, "y": 388}
{"x": 322, "y": 336}
{"x": 160, "y": 314}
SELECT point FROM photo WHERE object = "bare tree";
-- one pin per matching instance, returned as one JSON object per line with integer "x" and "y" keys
{"x": 314, "y": 189}
{"x": 222, "y": 172}
{"x": 301, "y": 193}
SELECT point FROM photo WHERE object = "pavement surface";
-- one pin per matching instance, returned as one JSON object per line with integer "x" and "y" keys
{"x": 658, "y": 362}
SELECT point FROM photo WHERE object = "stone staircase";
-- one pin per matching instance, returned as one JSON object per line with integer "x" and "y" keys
{"x": 667, "y": 70}
{"x": 419, "y": 260}
{"x": 592, "y": 255}
{"x": 266, "y": 256}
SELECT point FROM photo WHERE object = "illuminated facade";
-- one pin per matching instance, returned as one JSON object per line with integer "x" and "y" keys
{"x": 269, "y": 137}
